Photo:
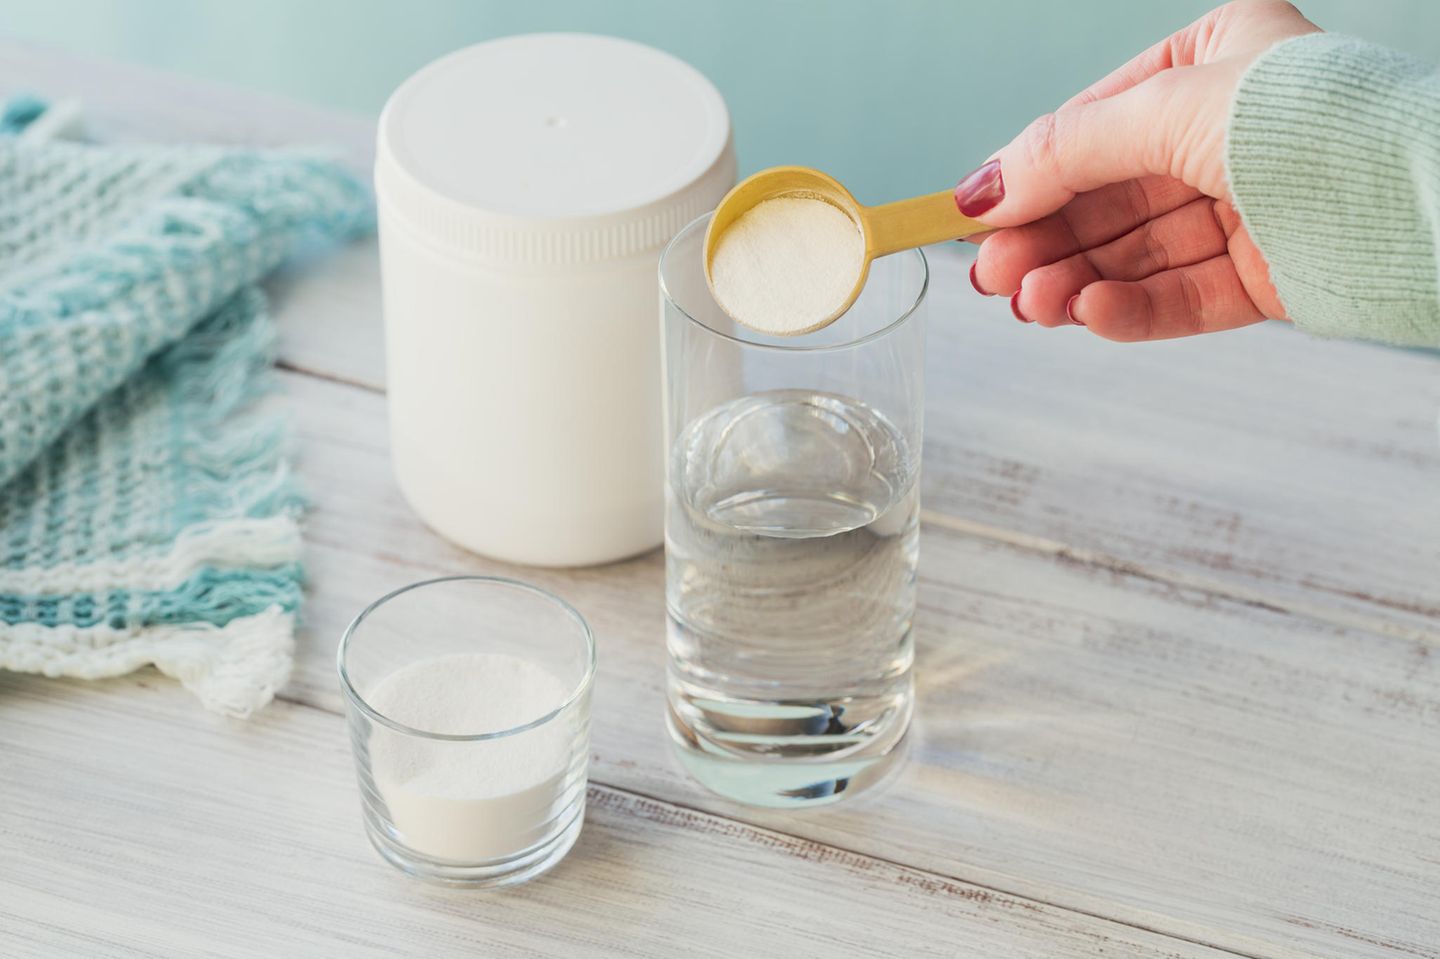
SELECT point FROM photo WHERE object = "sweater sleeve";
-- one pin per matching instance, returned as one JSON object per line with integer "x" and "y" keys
{"x": 1334, "y": 164}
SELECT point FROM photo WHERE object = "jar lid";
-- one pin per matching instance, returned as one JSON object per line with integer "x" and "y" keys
{"x": 553, "y": 148}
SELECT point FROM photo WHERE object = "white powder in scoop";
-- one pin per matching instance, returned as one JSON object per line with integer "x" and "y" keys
{"x": 472, "y": 802}
{"x": 787, "y": 264}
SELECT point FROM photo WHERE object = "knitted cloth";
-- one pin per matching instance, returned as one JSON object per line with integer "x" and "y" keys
{"x": 147, "y": 514}
{"x": 1334, "y": 163}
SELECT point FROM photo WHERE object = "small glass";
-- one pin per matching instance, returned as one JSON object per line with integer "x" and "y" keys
{"x": 791, "y": 535}
{"x": 469, "y": 806}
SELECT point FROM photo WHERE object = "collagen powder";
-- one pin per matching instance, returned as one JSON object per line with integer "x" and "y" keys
{"x": 786, "y": 265}
{"x": 471, "y": 802}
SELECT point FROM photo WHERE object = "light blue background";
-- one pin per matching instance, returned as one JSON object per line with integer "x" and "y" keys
{"x": 894, "y": 97}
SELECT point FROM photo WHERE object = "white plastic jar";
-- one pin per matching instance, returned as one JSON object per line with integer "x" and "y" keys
{"x": 526, "y": 187}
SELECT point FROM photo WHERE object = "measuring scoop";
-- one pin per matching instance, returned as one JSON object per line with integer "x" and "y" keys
{"x": 886, "y": 229}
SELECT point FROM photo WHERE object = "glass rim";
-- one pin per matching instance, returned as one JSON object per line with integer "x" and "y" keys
{"x": 885, "y": 330}
{"x": 583, "y": 686}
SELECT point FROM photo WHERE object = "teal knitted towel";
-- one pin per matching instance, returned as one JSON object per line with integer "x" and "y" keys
{"x": 147, "y": 514}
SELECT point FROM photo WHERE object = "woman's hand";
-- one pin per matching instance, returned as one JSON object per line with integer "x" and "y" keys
{"x": 1114, "y": 213}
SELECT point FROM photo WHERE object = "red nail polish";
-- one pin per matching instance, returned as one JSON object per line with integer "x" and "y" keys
{"x": 978, "y": 192}
{"x": 1015, "y": 308}
{"x": 1070, "y": 310}
{"x": 976, "y": 283}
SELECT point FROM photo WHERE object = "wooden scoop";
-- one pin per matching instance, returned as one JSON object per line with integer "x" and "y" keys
{"x": 886, "y": 229}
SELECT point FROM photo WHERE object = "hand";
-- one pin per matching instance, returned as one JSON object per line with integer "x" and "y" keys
{"x": 1114, "y": 213}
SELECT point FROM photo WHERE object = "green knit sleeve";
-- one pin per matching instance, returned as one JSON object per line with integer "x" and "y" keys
{"x": 1334, "y": 164}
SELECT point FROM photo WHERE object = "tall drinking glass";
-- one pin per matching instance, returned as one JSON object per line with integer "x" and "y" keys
{"x": 792, "y": 521}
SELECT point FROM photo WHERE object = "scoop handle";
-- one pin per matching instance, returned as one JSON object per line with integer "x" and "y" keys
{"x": 906, "y": 224}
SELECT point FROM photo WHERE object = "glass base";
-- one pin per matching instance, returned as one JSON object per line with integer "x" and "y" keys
{"x": 494, "y": 874}
{"x": 790, "y": 771}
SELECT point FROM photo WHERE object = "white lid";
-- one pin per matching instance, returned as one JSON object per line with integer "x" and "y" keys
{"x": 553, "y": 148}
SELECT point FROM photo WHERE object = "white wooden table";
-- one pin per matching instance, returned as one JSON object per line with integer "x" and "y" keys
{"x": 1179, "y": 685}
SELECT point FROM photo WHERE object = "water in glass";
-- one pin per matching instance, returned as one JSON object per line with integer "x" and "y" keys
{"x": 791, "y": 546}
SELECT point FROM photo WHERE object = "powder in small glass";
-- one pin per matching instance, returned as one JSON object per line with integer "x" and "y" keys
{"x": 786, "y": 265}
{"x": 480, "y": 801}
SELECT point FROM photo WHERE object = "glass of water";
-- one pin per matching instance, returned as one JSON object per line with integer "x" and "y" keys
{"x": 791, "y": 533}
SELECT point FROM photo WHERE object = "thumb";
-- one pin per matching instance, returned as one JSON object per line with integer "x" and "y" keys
{"x": 1081, "y": 147}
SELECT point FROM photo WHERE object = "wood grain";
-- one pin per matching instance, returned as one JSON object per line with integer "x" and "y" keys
{"x": 1223, "y": 771}
{"x": 1262, "y": 463}
{"x": 114, "y": 846}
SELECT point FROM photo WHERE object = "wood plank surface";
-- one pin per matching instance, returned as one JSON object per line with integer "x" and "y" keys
{"x": 115, "y": 845}
{"x": 1227, "y": 772}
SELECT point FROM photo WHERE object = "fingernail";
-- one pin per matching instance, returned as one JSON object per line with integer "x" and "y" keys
{"x": 981, "y": 190}
{"x": 1015, "y": 308}
{"x": 1070, "y": 310}
{"x": 976, "y": 283}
